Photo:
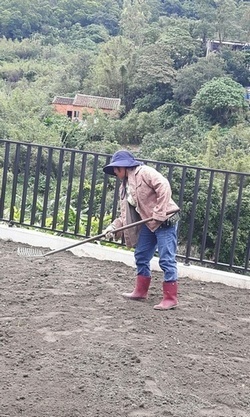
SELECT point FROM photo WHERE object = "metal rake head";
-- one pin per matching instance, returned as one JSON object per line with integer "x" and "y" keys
{"x": 29, "y": 252}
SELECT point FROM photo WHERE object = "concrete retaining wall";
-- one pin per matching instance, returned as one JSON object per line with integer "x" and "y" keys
{"x": 97, "y": 251}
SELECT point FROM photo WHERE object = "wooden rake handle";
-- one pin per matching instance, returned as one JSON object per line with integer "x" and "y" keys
{"x": 97, "y": 237}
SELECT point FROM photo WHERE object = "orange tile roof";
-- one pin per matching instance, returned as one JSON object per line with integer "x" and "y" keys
{"x": 62, "y": 100}
{"x": 95, "y": 102}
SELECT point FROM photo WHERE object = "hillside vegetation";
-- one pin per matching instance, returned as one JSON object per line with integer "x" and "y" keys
{"x": 178, "y": 104}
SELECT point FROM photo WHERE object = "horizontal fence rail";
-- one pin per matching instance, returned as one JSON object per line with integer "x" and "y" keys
{"x": 65, "y": 192}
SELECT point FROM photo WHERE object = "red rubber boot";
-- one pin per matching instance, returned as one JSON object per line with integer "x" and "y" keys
{"x": 141, "y": 289}
{"x": 169, "y": 296}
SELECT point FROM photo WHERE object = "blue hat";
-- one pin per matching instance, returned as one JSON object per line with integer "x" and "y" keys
{"x": 121, "y": 159}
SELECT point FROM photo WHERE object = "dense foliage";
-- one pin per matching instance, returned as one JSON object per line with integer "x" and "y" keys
{"x": 178, "y": 103}
{"x": 151, "y": 54}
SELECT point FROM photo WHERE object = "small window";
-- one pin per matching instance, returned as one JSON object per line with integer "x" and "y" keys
{"x": 76, "y": 114}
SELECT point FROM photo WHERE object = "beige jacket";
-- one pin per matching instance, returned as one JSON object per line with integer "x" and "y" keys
{"x": 152, "y": 195}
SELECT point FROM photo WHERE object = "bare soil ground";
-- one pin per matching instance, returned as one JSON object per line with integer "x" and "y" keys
{"x": 71, "y": 346}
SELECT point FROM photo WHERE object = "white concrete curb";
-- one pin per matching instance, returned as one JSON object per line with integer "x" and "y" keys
{"x": 45, "y": 240}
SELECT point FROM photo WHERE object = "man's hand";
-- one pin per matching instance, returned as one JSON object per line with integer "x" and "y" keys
{"x": 109, "y": 232}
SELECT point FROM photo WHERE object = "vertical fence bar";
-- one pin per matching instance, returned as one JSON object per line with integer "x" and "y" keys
{"x": 206, "y": 220}
{"x": 247, "y": 255}
{"x": 103, "y": 200}
{"x": 236, "y": 222}
{"x": 58, "y": 187}
{"x": 4, "y": 178}
{"x": 69, "y": 191}
{"x": 192, "y": 217}
{"x": 182, "y": 188}
{"x": 80, "y": 193}
{"x": 25, "y": 183}
{"x": 170, "y": 173}
{"x": 222, "y": 213}
{"x": 92, "y": 195}
{"x": 14, "y": 182}
{"x": 158, "y": 167}
{"x": 47, "y": 187}
{"x": 181, "y": 195}
{"x": 36, "y": 185}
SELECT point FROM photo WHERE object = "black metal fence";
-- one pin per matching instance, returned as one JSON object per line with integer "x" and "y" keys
{"x": 64, "y": 191}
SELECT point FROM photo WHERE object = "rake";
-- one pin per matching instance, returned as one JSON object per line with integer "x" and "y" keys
{"x": 35, "y": 252}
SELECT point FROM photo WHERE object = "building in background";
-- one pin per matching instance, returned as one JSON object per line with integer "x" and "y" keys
{"x": 214, "y": 46}
{"x": 83, "y": 104}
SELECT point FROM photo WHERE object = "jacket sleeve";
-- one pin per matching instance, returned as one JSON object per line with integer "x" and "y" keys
{"x": 118, "y": 223}
{"x": 163, "y": 194}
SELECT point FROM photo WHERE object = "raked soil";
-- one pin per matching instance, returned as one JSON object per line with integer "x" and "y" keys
{"x": 71, "y": 346}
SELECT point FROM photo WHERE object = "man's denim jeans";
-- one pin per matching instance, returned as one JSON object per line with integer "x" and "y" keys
{"x": 164, "y": 239}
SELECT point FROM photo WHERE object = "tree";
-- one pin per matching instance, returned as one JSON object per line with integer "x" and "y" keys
{"x": 183, "y": 47}
{"x": 173, "y": 7}
{"x": 114, "y": 68}
{"x": 181, "y": 142}
{"x": 154, "y": 66}
{"x": 135, "y": 126}
{"x": 225, "y": 14}
{"x": 124, "y": 71}
{"x": 154, "y": 74}
{"x": 221, "y": 101}
{"x": 204, "y": 13}
{"x": 220, "y": 19}
{"x": 227, "y": 148}
{"x": 191, "y": 78}
{"x": 243, "y": 19}
{"x": 134, "y": 19}
{"x": 236, "y": 65}
{"x": 106, "y": 13}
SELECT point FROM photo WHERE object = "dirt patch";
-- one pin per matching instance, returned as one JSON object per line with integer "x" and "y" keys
{"x": 71, "y": 346}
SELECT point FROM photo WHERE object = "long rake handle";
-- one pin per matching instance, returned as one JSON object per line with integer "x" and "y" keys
{"x": 92, "y": 238}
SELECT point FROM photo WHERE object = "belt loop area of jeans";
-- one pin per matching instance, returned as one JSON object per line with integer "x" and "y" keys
{"x": 165, "y": 224}
{"x": 168, "y": 223}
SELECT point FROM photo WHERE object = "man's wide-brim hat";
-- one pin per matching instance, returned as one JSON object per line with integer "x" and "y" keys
{"x": 121, "y": 159}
